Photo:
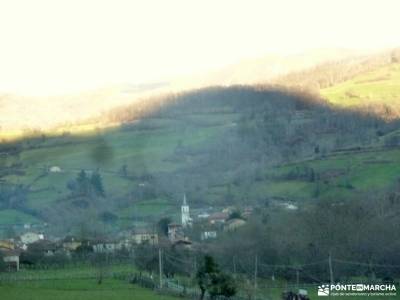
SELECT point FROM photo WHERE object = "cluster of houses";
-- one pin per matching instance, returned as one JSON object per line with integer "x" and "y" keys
{"x": 223, "y": 221}
{"x": 12, "y": 249}
{"x": 208, "y": 225}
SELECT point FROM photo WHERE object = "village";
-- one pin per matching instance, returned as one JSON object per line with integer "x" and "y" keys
{"x": 189, "y": 234}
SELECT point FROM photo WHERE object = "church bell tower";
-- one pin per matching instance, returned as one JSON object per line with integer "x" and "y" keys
{"x": 186, "y": 220}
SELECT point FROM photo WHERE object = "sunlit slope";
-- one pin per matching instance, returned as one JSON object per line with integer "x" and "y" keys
{"x": 22, "y": 115}
{"x": 380, "y": 87}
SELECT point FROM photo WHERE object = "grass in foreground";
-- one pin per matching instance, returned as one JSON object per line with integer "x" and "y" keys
{"x": 74, "y": 289}
{"x": 55, "y": 285}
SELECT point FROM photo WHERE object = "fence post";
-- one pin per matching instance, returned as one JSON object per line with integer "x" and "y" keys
{"x": 160, "y": 267}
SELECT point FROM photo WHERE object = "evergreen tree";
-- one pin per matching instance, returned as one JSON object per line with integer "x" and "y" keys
{"x": 97, "y": 184}
{"x": 83, "y": 183}
{"x": 163, "y": 225}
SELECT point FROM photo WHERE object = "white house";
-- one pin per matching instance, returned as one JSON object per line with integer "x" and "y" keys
{"x": 55, "y": 169}
{"x": 141, "y": 236}
{"x": 31, "y": 237}
{"x": 203, "y": 215}
{"x": 205, "y": 235}
{"x": 233, "y": 224}
{"x": 104, "y": 246}
{"x": 11, "y": 259}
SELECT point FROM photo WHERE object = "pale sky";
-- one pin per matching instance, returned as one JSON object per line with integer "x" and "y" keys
{"x": 59, "y": 46}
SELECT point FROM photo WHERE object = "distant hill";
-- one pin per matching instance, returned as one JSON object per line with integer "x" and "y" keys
{"x": 264, "y": 69}
{"x": 26, "y": 114}
{"x": 336, "y": 71}
{"x": 23, "y": 114}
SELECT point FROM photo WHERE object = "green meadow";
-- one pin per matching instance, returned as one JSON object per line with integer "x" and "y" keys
{"x": 75, "y": 283}
{"x": 74, "y": 289}
{"x": 378, "y": 86}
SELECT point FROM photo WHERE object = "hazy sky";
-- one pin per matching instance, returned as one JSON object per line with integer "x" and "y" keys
{"x": 59, "y": 46}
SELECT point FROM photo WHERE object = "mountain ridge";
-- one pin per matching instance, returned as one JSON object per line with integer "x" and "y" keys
{"x": 70, "y": 111}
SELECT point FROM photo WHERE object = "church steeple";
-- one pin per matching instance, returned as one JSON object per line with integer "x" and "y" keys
{"x": 186, "y": 219}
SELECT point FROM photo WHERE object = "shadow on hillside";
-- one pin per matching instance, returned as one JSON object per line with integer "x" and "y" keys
{"x": 205, "y": 143}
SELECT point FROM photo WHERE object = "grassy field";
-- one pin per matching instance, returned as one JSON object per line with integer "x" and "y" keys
{"x": 74, "y": 289}
{"x": 113, "y": 289}
{"x": 380, "y": 86}
{"x": 341, "y": 175}
{"x": 76, "y": 283}
{"x": 73, "y": 282}
{"x": 12, "y": 216}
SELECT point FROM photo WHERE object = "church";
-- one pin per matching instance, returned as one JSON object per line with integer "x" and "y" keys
{"x": 186, "y": 219}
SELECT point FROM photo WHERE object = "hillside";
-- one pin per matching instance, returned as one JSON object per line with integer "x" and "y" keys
{"x": 270, "y": 67}
{"x": 61, "y": 113}
{"x": 277, "y": 145}
{"x": 378, "y": 89}
{"x": 238, "y": 145}
{"x": 71, "y": 112}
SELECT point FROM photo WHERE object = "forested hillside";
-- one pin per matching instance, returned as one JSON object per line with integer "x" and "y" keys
{"x": 222, "y": 146}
